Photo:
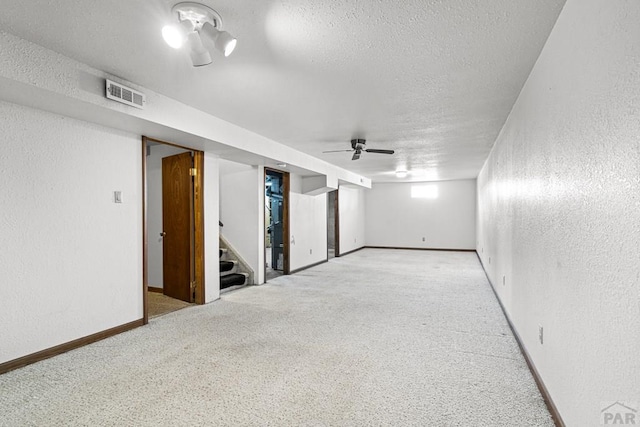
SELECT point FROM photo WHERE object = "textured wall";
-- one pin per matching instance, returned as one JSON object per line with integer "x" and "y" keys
{"x": 241, "y": 192}
{"x": 308, "y": 226}
{"x": 559, "y": 210}
{"x": 395, "y": 219}
{"x": 211, "y": 198}
{"x": 352, "y": 215}
{"x": 71, "y": 261}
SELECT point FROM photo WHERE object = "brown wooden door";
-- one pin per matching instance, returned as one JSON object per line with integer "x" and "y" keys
{"x": 177, "y": 224}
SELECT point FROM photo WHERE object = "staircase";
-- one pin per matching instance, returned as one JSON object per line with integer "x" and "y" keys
{"x": 229, "y": 276}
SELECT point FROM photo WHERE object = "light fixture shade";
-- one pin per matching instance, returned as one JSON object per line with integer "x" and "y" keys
{"x": 226, "y": 43}
{"x": 176, "y": 34}
{"x": 199, "y": 54}
{"x": 222, "y": 40}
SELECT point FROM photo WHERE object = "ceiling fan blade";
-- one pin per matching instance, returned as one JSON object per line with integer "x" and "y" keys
{"x": 373, "y": 150}
{"x": 336, "y": 151}
{"x": 356, "y": 155}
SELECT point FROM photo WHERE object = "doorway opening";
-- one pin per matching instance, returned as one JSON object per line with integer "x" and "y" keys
{"x": 333, "y": 225}
{"x": 173, "y": 274}
{"x": 276, "y": 214}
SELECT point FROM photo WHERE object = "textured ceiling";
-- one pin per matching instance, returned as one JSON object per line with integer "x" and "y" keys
{"x": 432, "y": 79}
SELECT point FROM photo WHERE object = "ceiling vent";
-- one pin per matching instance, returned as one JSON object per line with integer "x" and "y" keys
{"x": 124, "y": 94}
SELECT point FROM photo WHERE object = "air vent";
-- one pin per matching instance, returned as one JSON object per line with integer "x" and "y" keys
{"x": 124, "y": 94}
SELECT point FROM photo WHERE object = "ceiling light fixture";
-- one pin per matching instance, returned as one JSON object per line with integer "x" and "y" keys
{"x": 199, "y": 54}
{"x": 198, "y": 23}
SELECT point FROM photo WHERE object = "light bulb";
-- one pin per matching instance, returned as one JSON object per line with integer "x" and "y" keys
{"x": 230, "y": 47}
{"x": 227, "y": 41}
{"x": 175, "y": 35}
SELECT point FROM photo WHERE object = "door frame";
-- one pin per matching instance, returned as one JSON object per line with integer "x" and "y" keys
{"x": 285, "y": 220}
{"x": 336, "y": 221}
{"x": 198, "y": 217}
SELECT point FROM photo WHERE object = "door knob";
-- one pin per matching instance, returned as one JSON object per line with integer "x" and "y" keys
{"x": 162, "y": 234}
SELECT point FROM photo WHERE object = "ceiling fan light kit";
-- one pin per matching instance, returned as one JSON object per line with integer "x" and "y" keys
{"x": 195, "y": 23}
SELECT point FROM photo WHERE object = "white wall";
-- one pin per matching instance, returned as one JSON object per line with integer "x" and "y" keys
{"x": 352, "y": 215}
{"x": 559, "y": 210}
{"x": 241, "y": 192}
{"x": 71, "y": 261}
{"x": 307, "y": 225}
{"x": 154, "y": 211}
{"x": 395, "y": 219}
{"x": 211, "y": 233}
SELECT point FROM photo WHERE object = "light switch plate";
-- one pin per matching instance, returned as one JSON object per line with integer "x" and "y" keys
{"x": 117, "y": 197}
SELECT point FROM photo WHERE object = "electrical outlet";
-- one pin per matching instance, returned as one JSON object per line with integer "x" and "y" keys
{"x": 424, "y": 239}
{"x": 310, "y": 251}
{"x": 503, "y": 280}
{"x": 541, "y": 334}
{"x": 489, "y": 260}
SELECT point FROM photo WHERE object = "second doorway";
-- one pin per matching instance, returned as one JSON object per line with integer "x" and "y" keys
{"x": 276, "y": 214}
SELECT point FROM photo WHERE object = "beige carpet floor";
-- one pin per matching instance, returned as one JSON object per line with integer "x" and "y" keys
{"x": 160, "y": 304}
{"x": 375, "y": 338}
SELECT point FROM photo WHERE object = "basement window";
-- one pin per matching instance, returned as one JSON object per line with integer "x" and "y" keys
{"x": 429, "y": 191}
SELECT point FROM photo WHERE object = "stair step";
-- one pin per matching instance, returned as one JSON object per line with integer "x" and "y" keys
{"x": 223, "y": 253}
{"x": 226, "y": 266}
{"x": 234, "y": 279}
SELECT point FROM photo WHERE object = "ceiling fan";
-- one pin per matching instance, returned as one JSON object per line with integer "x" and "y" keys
{"x": 358, "y": 146}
